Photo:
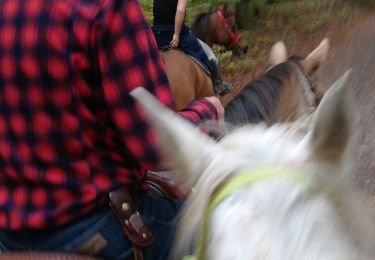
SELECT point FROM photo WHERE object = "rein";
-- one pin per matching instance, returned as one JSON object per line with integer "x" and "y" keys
{"x": 237, "y": 182}
{"x": 224, "y": 22}
{"x": 314, "y": 90}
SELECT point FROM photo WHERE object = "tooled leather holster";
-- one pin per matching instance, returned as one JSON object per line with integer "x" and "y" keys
{"x": 131, "y": 221}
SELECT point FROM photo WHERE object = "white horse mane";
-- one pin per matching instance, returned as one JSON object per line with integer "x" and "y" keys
{"x": 322, "y": 217}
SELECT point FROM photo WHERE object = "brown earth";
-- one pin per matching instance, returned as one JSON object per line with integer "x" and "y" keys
{"x": 352, "y": 46}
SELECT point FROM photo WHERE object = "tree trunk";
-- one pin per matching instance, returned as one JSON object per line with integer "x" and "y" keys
{"x": 244, "y": 14}
{"x": 247, "y": 12}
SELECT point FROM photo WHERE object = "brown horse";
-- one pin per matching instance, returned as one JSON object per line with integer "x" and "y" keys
{"x": 289, "y": 89}
{"x": 187, "y": 79}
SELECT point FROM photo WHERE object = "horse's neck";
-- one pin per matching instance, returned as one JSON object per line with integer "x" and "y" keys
{"x": 209, "y": 37}
{"x": 289, "y": 107}
{"x": 295, "y": 99}
{"x": 273, "y": 98}
{"x": 256, "y": 102}
{"x": 210, "y": 41}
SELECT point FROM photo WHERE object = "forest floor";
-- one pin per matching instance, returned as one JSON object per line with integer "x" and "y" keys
{"x": 302, "y": 25}
{"x": 352, "y": 46}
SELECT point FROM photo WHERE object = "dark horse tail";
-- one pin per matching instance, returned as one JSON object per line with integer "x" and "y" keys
{"x": 259, "y": 99}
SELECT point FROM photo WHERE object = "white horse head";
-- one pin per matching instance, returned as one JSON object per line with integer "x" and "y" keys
{"x": 310, "y": 211}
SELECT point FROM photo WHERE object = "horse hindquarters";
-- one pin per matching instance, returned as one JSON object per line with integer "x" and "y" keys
{"x": 186, "y": 79}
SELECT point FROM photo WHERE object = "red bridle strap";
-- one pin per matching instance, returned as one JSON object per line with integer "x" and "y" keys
{"x": 234, "y": 37}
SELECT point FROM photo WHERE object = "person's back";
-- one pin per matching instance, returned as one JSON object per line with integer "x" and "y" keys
{"x": 164, "y": 11}
{"x": 54, "y": 140}
{"x": 69, "y": 131}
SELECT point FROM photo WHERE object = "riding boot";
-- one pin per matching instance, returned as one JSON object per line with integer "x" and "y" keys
{"x": 220, "y": 87}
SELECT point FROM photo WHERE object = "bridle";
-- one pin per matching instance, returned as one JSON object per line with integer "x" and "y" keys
{"x": 246, "y": 179}
{"x": 312, "y": 83}
{"x": 233, "y": 36}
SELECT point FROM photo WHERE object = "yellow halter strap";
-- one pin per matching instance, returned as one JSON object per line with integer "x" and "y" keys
{"x": 243, "y": 180}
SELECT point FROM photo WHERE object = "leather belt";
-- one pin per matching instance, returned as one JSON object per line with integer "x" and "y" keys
{"x": 139, "y": 235}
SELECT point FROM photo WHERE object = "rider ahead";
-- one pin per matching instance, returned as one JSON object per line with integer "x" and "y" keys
{"x": 170, "y": 31}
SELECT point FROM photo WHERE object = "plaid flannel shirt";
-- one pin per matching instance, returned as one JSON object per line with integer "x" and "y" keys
{"x": 69, "y": 131}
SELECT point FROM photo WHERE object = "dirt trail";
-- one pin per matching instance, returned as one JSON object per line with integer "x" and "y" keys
{"x": 356, "y": 49}
{"x": 352, "y": 46}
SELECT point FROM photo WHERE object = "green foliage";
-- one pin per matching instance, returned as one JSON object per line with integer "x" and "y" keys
{"x": 283, "y": 20}
{"x": 287, "y": 18}
{"x": 231, "y": 2}
{"x": 229, "y": 66}
{"x": 193, "y": 9}
{"x": 147, "y": 9}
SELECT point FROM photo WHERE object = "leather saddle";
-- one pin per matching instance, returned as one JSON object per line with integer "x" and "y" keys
{"x": 196, "y": 60}
{"x": 163, "y": 183}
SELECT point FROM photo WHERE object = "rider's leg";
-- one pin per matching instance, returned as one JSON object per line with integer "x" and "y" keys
{"x": 101, "y": 235}
{"x": 220, "y": 86}
{"x": 193, "y": 47}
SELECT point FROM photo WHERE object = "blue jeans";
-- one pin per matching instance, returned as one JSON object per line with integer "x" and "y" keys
{"x": 188, "y": 42}
{"x": 102, "y": 233}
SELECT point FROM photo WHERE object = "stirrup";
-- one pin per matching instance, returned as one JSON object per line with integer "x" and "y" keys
{"x": 165, "y": 47}
{"x": 221, "y": 88}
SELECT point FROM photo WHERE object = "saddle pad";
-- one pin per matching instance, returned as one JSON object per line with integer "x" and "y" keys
{"x": 201, "y": 65}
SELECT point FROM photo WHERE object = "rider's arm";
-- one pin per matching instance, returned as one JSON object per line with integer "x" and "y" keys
{"x": 129, "y": 58}
{"x": 179, "y": 21}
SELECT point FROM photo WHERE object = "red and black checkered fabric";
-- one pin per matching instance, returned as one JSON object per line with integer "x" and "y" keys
{"x": 69, "y": 131}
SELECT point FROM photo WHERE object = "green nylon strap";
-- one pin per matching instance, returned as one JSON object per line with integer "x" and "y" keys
{"x": 190, "y": 257}
{"x": 237, "y": 182}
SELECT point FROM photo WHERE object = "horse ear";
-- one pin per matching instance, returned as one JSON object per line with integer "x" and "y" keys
{"x": 183, "y": 146}
{"x": 314, "y": 60}
{"x": 333, "y": 122}
{"x": 278, "y": 53}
